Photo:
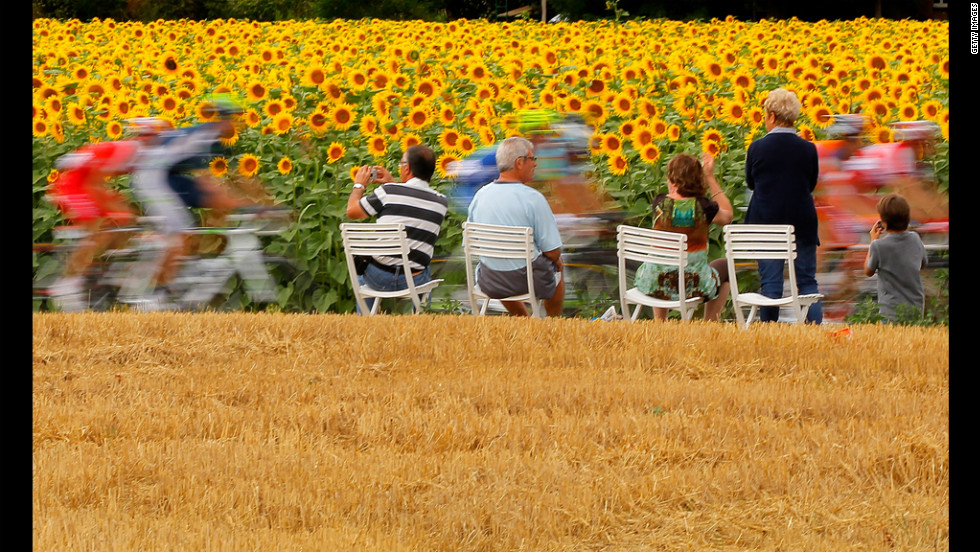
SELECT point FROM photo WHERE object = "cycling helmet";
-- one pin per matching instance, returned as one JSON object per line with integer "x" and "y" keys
{"x": 847, "y": 126}
{"x": 147, "y": 126}
{"x": 536, "y": 121}
{"x": 225, "y": 105}
{"x": 575, "y": 132}
{"x": 916, "y": 130}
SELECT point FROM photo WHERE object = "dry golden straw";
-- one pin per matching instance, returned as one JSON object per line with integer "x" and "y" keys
{"x": 232, "y": 432}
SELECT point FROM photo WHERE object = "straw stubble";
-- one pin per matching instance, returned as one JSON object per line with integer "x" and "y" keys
{"x": 288, "y": 432}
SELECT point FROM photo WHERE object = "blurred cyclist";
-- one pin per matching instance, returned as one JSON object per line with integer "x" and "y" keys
{"x": 82, "y": 194}
{"x": 173, "y": 177}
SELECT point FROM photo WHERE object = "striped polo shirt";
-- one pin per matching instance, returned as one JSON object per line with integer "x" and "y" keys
{"x": 414, "y": 204}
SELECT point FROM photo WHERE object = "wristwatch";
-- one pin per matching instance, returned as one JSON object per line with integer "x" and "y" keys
{"x": 358, "y": 185}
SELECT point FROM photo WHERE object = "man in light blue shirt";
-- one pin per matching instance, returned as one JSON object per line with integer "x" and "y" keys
{"x": 509, "y": 201}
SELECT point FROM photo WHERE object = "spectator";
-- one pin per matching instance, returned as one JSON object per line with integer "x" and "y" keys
{"x": 781, "y": 169}
{"x": 80, "y": 192}
{"x": 689, "y": 207}
{"x": 410, "y": 202}
{"x": 897, "y": 255}
{"x": 509, "y": 201}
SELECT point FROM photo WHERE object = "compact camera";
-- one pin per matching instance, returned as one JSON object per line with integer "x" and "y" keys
{"x": 374, "y": 173}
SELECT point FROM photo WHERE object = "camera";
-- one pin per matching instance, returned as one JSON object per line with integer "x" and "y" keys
{"x": 374, "y": 173}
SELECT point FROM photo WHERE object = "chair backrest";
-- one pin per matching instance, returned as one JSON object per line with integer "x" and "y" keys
{"x": 498, "y": 242}
{"x": 373, "y": 238}
{"x": 646, "y": 245}
{"x": 760, "y": 241}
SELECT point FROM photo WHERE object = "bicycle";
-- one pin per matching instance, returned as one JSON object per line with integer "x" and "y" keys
{"x": 125, "y": 277}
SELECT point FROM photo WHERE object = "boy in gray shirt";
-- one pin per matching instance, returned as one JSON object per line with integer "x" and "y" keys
{"x": 897, "y": 255}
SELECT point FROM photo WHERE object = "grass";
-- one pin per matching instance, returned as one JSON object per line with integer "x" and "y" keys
{"x": 439, "y": 432}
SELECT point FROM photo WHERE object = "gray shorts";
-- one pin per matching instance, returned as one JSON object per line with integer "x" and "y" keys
{"x": 498, "y": 284}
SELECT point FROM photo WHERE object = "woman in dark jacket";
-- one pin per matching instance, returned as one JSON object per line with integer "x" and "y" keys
{"x": 781, "y": 170}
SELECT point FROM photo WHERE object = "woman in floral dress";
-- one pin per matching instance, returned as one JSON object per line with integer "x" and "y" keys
{"x": 693, "y": 202}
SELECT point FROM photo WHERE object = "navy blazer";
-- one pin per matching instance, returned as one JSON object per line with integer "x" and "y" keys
{"x": 781, "y": 169}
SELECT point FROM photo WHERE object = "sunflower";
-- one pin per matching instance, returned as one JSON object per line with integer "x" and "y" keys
{"x": 487, "y": 136}
{"x": 733, "y": 112}
{"x": 248, "y": 165}
{"x": 673, "y": 133}
{"x": 573, "y": 104}
{"x": 317, "y": 122}
{"x": 273, "y": 108}
{"x": 428, "y": 87}
{"x": 357, "y": 79}
{"x": 282, "y": 122}
{"x": 377, "y": 145}
{"x": 76, "y": 114}
{"x": 650, "y": 154}
{"x": 170, "y": 63}
{"x": 41, "y": 128}
{"x": 218, "y": 167}
{"x": 285, "y": 165}
{"x": 647, "y": 108}
{"x": 806, "y": 133}
{"x": 876, "y": 63}
{"x": 256, "y": 91}
{"x": 930, "y": 109}
{"x": 444, "y": 163}
{"x": 335, "y": 152}
{"x": 610, "y": 143}
{"x": 712, "y": 69}
{"x": 342, "y": 117}
{"x": 252, "y": 118}
{"x": 466, "y": 145}
{"x": 594, "y": 112}
{"x": 878, "y": 109}
{"x": 419, "y": 117}
{"x": 642, "y": 137}
{"x": 167, "y": 103}
{"x": 409, "y": 139}
{"x": 449, "y": 139}
{"x": 618, "y": 164}
{"x": 627, "y": 128}
{"x": 622, "y": 104}
{"x": 369, "y": 125}
{"x": 908, "y": 112}
{"x": 114, "y": 130}
{"x": 820, "y": 116}
{"x": 314, "y": 75}
{"x": 881, "y": 135}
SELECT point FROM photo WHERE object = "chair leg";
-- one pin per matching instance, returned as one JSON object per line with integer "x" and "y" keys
{"x": 752, "y": 312}
{"x": 636, "y": 313}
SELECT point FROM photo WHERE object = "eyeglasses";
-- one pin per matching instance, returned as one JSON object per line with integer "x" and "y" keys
{"x": 530, "y": 158}
{"x": 403, "y": 163}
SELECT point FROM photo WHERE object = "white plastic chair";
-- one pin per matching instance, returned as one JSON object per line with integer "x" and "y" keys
{"x": 645, "y": 245}
{"x": 764, "y": 241}
{"x": 370, "y": 239}
{"x": 498, "y": 242}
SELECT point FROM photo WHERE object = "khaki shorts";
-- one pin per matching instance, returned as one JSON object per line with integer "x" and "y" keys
{"x": 498, "y": 284}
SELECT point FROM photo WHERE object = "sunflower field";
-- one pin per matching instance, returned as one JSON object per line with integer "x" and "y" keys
{"x": 324, "y": 97}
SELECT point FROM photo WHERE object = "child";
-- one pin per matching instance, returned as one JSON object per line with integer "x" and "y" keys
{"x": 897, "y": 255}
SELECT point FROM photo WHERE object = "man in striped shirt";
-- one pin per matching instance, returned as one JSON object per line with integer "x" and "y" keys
{"x": 410, "y": 202}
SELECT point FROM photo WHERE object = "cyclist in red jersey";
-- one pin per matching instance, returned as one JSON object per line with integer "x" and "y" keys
{"x": 80, "y": 192}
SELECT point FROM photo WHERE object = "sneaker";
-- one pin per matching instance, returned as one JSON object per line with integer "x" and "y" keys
{"x": 70, "y": 302}
{"x": 159, "y": 300}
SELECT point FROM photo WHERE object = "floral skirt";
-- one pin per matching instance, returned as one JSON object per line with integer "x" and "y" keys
{"x": 660, "y": 281}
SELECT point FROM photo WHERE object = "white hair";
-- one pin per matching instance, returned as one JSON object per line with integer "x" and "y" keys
{"x": 510, "y": 150}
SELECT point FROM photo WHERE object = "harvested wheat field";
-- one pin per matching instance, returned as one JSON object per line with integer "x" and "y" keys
{"x": 232, "y": 432}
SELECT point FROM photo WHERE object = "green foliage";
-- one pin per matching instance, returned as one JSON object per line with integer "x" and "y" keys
{"x": 936, "y": 312}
